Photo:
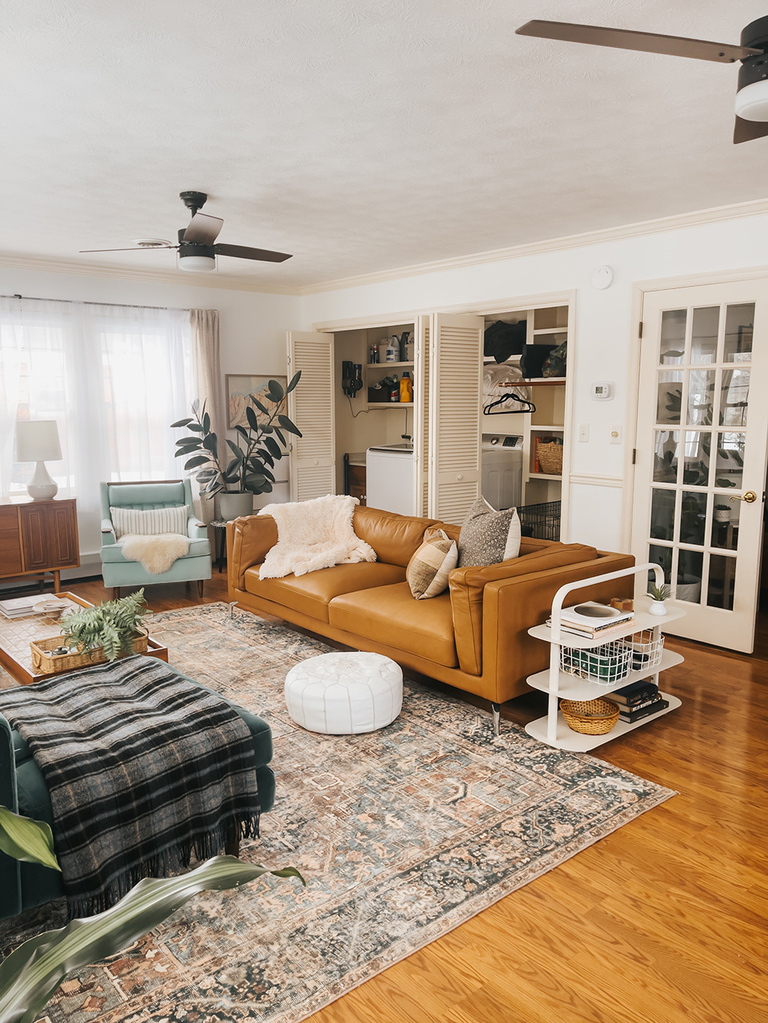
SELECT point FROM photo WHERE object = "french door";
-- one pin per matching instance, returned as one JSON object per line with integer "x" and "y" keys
{"x": 701, "y": 454}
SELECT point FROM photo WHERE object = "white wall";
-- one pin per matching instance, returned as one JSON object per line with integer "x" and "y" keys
{"x": 601, "y": 342}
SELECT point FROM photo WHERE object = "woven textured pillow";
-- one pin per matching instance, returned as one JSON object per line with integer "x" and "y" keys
{"x": 428, "y": 570}
{"x": 488, "y": 536}
{"x": 149, "y": 521}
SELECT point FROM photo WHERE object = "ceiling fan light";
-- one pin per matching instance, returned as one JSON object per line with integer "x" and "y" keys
{"x": 752, "y": 101}
{"x": 199, "y": 264}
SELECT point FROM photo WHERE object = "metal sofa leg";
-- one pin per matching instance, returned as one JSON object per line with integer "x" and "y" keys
{"x": 496, "y": 708}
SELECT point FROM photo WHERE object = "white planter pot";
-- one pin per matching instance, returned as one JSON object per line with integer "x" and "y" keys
{"x": 657, "y": 607}
{"x": 232, "y": 506}
{"x": 723, "y": 516}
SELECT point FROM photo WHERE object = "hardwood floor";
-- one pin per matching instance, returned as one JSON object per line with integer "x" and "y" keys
{"x": 663, "y": 921}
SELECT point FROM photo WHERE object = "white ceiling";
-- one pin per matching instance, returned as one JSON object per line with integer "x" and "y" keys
{"x": 360, "y": 135}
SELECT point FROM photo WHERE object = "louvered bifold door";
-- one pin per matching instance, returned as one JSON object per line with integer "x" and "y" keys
{"x": 421, "y": 418}
{"x": 455, "y": 367}
{"x": 310, "y": 406}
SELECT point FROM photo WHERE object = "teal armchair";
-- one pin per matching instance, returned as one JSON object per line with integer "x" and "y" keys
{"x": 117, "y": 571}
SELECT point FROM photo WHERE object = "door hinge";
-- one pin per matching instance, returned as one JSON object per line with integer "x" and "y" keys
{"x": 640, "y": 329}
{"x": 634, "y": 455}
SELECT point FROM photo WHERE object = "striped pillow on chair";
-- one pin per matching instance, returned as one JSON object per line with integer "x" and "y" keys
{"x": 149, "y": 521}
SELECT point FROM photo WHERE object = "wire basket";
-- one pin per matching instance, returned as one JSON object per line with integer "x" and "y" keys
{"x": 550, "y": 456}
{"x": 607, "y": 664}
{"x": 590, "y": 717}
{"x": 646, "y": 649}
{"x": 541, "y": 521}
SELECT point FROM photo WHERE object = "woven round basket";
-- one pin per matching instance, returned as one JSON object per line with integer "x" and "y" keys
{"x": 591, "y": 717}
{"x": 550, "y": 458}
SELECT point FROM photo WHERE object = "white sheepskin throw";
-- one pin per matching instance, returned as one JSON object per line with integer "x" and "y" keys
{"x": 314, "y": 534}
{"x": 155, "y": 553}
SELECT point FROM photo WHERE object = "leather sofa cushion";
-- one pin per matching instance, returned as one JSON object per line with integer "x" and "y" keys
{"x": 466, "y": 587}
{"x": 389, "y": 615}
{"x": 395, "y": 538}
{"x": 311, "y": 593}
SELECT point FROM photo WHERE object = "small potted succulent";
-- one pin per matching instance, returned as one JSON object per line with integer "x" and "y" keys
{"x": 658, "y": 595}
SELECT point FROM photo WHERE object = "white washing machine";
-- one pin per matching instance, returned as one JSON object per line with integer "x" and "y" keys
{"x": 502, "y": 478}
{"x": 389, "y": 478}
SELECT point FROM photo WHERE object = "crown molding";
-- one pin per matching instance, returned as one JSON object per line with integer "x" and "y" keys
{"x": 697, "y": 218}
{"x": 178, "y": 278}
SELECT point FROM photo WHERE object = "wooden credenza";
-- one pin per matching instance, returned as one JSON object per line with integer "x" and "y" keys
{"x": 38, "y": 537}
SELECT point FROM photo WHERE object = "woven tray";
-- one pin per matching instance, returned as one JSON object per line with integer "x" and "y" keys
{"x": 550, "y": 458}
{"x": 590, "y": 717}
{"x": 45, "y": 661}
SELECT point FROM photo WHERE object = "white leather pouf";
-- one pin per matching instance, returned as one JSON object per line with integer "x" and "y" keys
{"x": 344, "y": 693}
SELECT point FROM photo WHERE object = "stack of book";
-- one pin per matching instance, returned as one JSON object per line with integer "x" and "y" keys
{"x": 18, "y": 607}
{"x": 638, "y": 700}
{"x": 592, "y": 620}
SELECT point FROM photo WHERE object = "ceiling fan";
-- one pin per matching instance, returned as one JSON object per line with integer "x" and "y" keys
{"x": 752, "y": 92}
{"x": 196, "y": 247}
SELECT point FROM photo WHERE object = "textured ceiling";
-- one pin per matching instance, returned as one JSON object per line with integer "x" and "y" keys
{"x": 360, "y": 135}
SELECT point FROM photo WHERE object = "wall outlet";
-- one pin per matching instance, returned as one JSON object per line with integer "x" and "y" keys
{"x": 584, "y": 432}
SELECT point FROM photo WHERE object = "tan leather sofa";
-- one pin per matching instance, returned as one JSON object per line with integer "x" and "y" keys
{"x": 474, "y": 636}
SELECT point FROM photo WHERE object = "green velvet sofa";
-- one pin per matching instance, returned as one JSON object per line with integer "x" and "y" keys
{"x": 23, "y": 790}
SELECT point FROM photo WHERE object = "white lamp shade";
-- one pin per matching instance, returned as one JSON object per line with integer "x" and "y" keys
{"x": 202, "y": 264}
{"x": 752, "y": 101}
{"x": 37, "y": 441}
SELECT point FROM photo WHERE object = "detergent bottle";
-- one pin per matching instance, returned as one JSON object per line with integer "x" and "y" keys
{"x": 406, "y": 387}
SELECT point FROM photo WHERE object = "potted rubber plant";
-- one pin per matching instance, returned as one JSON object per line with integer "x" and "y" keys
{"x": 252, "y": 455}
{"x": 30, "y": 975}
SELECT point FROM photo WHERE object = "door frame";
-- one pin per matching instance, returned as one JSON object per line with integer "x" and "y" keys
{"x": 639, "y": 289}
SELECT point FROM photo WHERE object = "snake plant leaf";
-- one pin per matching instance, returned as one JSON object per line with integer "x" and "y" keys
{"x": 27, "y": 840}
{"x": 30, "y": 975}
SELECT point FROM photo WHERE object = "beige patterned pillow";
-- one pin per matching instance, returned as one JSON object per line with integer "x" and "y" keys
{"x": 428, "y": 570}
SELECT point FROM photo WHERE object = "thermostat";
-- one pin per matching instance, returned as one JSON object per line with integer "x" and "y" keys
{"x": 602, "y": 390}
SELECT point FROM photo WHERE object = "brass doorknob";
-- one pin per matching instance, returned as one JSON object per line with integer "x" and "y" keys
{"x": 750, "y": 497}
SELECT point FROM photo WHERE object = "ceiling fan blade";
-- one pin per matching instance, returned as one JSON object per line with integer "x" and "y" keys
{"x": 202, "y": 229}
{"x": 244, "y": 252}
{"x": 648, "y": 42}
{"x": 746, "y": 130}
{"x": 133, "y": 248}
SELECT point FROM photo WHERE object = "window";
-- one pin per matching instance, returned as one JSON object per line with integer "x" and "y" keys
{"x": 113, "y": 377}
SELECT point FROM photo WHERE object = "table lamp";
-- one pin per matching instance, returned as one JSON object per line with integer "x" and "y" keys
{"x": 38, "y": 441}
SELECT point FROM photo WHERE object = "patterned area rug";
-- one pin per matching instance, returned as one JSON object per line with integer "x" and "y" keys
{"x": 402, "y": 835}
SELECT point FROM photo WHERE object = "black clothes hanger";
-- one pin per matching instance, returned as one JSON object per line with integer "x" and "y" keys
{"x": 524, "y": 405}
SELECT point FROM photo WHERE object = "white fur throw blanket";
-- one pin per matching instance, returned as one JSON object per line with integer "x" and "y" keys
{"x": 155, "y": 553}
{"x": 313, "y": 534}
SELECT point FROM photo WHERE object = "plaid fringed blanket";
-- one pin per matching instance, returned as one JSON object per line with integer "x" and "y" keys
{"x": 145, "y": 770}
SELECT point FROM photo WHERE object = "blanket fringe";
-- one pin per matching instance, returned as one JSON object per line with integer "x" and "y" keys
{"x": 166, "y": 863}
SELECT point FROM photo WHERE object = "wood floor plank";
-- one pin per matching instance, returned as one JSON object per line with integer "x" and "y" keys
{"x": 662, "y": 921}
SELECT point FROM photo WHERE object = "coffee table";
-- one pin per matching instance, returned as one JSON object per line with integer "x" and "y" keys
{"x": 16, "y": 634}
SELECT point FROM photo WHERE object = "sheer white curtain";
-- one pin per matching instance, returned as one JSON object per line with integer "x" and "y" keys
{"x": 206, "y": 345}
{"x": 113, "y": 377}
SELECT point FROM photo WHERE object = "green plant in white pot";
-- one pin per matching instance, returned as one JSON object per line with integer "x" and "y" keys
{"x": 253, "y": 453}
{"x": 30, "y": 975}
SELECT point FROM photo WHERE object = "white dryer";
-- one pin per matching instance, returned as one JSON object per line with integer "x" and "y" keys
{"x": 502, "y": 476}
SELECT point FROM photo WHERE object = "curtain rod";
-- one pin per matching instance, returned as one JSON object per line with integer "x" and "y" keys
{"x": 117, "y": 305}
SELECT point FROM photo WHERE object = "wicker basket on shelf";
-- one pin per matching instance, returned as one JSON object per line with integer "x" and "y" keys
{"x": 550, "y": 456}
{"x": 45, "y": 661}
{"x": 590, "y": 717}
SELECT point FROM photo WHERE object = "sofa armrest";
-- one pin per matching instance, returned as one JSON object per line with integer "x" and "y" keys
{"x": 512, "y": 606}
{"x": 467, "y": 589}
{"x": 10, "y": 870}
{"x": 196, "y": 530}
{"x": 108, "y": 534}
{"x": 248, "y": 540}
